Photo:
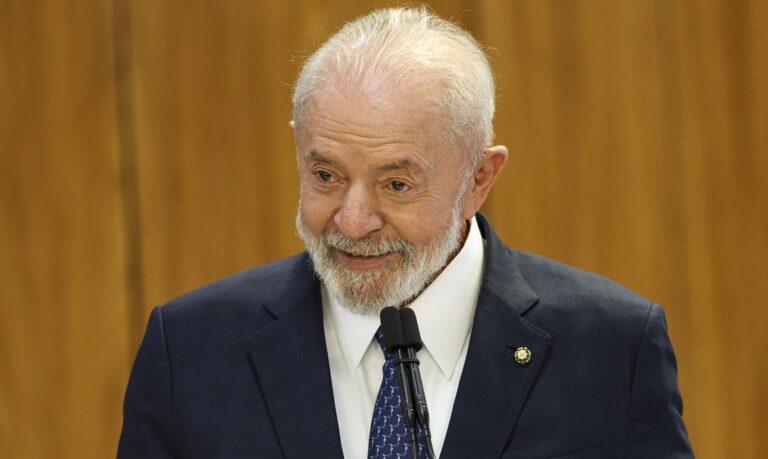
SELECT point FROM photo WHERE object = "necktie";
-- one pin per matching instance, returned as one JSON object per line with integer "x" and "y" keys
{"x": 389, "y": 436}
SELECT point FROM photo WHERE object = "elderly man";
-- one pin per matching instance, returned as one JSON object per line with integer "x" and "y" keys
{"x": 523, "y": 357}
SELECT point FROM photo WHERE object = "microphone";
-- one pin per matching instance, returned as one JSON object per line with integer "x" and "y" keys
{"x": 412, "y": 341}
{"x": 393, "y": 342}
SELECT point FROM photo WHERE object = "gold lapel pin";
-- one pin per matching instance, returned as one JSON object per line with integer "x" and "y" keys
{"x": 522, "y": 355}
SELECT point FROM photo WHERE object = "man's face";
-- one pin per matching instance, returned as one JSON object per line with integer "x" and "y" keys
{"x": 380, "y": 210}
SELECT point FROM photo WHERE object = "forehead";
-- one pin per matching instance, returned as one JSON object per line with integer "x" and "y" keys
{"x": 373, "y": 114}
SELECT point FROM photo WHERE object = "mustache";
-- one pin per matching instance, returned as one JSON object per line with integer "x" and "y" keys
{"x": 367, "y": 246}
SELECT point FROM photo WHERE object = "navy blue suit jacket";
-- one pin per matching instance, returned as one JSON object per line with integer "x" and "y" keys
{"x": 239, "y": 369}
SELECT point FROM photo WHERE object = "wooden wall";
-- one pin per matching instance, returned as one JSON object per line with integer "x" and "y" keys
{"x": 64, "y": 351}
{"x": 144, "y": 150}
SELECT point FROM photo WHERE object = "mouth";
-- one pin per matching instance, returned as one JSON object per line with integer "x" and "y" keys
{"x": 362, "y": 262}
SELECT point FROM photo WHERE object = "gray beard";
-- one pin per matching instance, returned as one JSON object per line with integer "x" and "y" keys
{"x": 368, "y": 292}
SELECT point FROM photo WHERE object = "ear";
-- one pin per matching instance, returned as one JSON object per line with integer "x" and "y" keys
{"x": 295, "y": 131}
{"x": 486, "y": 172}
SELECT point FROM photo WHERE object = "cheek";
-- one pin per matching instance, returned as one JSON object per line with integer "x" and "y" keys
{"x": 422, "y": 224}
{"x": 317, "y": 210}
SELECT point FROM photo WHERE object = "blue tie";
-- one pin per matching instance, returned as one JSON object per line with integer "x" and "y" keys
{"x": 389, "y": 436}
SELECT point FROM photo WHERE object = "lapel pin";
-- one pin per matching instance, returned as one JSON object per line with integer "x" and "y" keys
{"x": 522, "y": 355}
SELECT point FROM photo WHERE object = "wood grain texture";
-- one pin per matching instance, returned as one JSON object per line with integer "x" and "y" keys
{"x": 63, "y": 339}
{"x": 637, "y": 133}
{"x": 137, "y": 169}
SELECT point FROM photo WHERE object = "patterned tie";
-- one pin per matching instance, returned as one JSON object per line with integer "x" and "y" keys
{"x": 389, "y": 436}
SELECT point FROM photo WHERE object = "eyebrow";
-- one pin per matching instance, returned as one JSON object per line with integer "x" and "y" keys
{"x": 397, "y": 165}
{"x": 315, "y": 156}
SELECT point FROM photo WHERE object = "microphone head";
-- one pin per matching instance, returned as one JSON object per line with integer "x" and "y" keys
{"x": 411, "y": 336}
{"x": 390, "y": 326}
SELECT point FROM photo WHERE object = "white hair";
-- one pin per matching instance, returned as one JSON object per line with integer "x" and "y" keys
{"x": 412, "y": 48}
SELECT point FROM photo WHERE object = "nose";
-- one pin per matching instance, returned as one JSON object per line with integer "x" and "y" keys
{"x": 358, "y": 215}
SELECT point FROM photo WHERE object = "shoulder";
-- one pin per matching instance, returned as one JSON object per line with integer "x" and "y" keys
{"x": 242, "y": 294}
{"x": 556, "y": 280}
{"x": 563, "y": 293}
{"x": 581, "y": 300}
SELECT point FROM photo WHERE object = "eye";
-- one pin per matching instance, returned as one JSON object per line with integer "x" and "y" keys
{"x": 398, "y": 186}
{"x": 324, "y": 176}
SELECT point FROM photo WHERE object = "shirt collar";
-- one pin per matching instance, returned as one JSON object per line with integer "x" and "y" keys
{"x": 444, "y": 312}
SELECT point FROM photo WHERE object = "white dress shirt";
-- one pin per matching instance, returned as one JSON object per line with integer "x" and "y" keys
{"x": 444, "y": 311}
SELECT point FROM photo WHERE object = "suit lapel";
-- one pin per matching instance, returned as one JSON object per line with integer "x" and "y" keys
{"x": 291, "y": 364}
{"x": 493, "y": 386}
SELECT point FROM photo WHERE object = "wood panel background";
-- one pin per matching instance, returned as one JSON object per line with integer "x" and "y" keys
{"x": 144, "y": 150}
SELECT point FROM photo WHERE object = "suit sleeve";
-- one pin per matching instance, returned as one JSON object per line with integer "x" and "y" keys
{"x": 656, "y": 426}
{"x": 148, "y": 417}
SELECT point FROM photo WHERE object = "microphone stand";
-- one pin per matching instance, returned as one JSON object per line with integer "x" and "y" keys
{"x": 393, "y": 342}
{"x": 401, "y": 360}
{"x": 412, "y": 341}
{"x": 420, "y": 400}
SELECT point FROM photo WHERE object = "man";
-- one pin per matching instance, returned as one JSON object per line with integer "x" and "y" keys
{"x": 523, "y": 357}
